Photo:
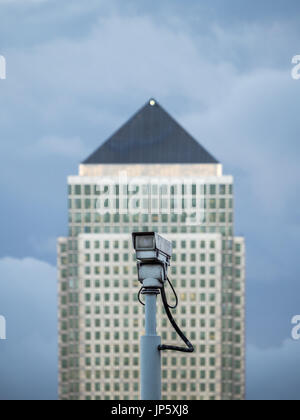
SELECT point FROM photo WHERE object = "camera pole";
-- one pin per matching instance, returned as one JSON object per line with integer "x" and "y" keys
{"x": 150, "y": 342}
{"x": 153, "y": 253}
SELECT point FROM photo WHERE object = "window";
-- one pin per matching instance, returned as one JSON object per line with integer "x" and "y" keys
{"x": 222, "y": 217}
{"x": 222, "y": 203}
{"x": 222, "y": 189}
{"x": 77, "y": 189}
{"x": 87, "y": 189}
{"x": 212, "y": 217}
{"x": 63, "y": 248}
{"x": 212, "y": 189}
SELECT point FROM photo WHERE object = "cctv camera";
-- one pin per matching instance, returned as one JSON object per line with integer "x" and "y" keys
{"x": 153, "y": 253}
{"x": 150, "y": 246}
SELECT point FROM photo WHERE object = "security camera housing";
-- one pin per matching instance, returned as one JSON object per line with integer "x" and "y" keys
{"x": 153, "y": 253}
{"x": 151, "y": 247}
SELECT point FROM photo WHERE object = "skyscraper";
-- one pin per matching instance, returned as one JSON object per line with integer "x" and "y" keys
{"x": 151, "y": 175}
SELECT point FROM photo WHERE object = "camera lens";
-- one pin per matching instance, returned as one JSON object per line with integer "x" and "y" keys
{"x": 144, "y": 242}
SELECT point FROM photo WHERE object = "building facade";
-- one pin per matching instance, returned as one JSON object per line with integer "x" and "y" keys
{"x": 151, "y": 175}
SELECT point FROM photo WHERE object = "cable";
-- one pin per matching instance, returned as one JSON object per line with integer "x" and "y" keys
{"x": 190, "y": 347}
{"x": 170, "y": 306}
{"x": 175, "y": 294}
{"x": 139, "y": 296}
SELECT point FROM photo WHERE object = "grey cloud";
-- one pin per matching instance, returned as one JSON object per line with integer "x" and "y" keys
{"x": 28, "y": 358}
{"x": 56, "y": 146}
{"x": 77, "y": 71}
{"x": 273, "y": 374}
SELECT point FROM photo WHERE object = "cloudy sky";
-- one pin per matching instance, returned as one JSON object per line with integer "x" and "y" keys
{"x": 77, "y": 70}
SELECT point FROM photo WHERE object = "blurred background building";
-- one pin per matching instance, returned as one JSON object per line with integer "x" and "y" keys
{"x": 151, "y": 175}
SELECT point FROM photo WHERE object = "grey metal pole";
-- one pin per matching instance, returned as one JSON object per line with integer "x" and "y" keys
{"x": 150, "y": 355}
